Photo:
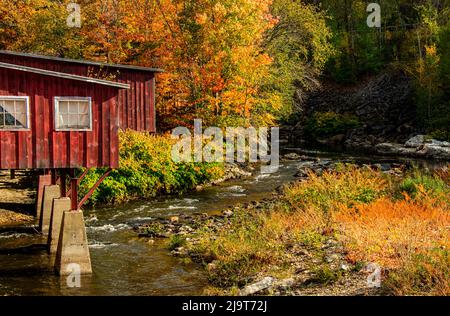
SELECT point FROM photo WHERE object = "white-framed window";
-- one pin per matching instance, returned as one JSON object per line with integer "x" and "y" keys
{"x": 14, "y": 113}
{"x": 73, "y": 114}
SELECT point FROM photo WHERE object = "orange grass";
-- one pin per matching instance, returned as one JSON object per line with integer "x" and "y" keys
{"x": 367, "y": 211}
{"x": 390, "y": 232}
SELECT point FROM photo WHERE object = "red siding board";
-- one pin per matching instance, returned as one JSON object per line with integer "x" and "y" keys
{"x": 131, "y": 107}
{"x": 147, "y": 105}
{"x": 43, "y": 147}
{"x": 112, "y": 109}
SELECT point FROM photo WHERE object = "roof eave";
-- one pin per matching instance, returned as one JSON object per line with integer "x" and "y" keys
{"x": 80, "y": 61}
{"x": 64, "y": 75}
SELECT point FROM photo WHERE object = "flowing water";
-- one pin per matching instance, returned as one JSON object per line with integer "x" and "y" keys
{"x": 124, "y": 264}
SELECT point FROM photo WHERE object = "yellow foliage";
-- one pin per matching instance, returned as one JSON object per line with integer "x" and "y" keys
{"x": 430, "y": 50}
{"x": 388, "y": 232}
{"x": 359, "y": 207}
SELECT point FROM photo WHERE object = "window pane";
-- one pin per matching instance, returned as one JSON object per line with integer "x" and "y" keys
{"x": 74, "y": 114}
{"x": 21, "y": 120}
{"x": 73, "y": 107}
{"x": 73, "y": 121}
{"x": 64, "y": 120}
{"x": 9, "y": 106}
{"x": 84, "y": 121}
{"x": 63, "y": 107}
{"x": 10, "y": 120}
{"x": 14, "y": 113}
{"x": 21, "y": 107}
{"x": 83, "y": 107}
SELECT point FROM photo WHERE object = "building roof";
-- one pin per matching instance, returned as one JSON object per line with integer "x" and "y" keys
{"x": 64, "y": 75}
{"x": 81, "y": 61}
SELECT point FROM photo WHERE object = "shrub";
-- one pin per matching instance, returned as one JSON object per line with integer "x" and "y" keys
{"x": 147, "y": 169}
{"x": 324, "y": 124}
{"x": 245, "y": 246}
{"x": 444, "y": 174}
{"x": 154, "y": 229}
{"x": 424, "y": 274}
{"x": 438, "y": 126}
{"x": 417, "y": 183}
{"x": 440, "y": 134}
{"x": 253, "y": 242}
{"x": 176, "y": 241}
{"x": 348, "y": 186}
{"x": 325, "y": 275}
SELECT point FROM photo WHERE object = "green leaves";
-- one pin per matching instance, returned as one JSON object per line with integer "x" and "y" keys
{"x": 324, "y": 124}
{"x": 299, "y": 45}
{"x": 147, "y": 169}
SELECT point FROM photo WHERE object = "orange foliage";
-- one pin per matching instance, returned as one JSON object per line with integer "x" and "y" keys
{"x": 209, "y": 49}
{"x": 388, "y": 232}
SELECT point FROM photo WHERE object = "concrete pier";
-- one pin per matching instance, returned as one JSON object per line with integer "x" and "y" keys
{"x": 50, "y": 193}
{"x": 73, "y": 245}
{"x": 42, "y": 182}
{"x": 60, "y": 205}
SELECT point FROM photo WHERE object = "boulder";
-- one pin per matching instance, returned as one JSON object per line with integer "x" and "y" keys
{"x": 254, "y": 288}
{"x": 395, "y": 149}
{"x": 227, "y": 213}
{"x": 292, "y": 156}
{"x": 285, "y": 284}
{"x": 418, "y": 146}
{"x": 383, "y": 104}
{"x": 434, "y": 142}
{"x": 436, "y": 152}
{"x": 388, "y": 148}
{"x": 415, "y": 142}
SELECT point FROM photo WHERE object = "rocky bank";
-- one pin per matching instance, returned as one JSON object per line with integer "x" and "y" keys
{"x": 316, "y": 273}
{"x": 384, "y": 106}
{"x": 418, "y": 147}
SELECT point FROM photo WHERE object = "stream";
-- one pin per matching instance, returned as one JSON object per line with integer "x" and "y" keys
{"x": 124, "y": 264}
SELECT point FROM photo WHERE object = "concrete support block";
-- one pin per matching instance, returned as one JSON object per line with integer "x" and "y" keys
{"x": 73, "y": 245}
{"x": 43, "y": 180}
{"x": 60, "y": 205}
{"x": 50, "y": 192}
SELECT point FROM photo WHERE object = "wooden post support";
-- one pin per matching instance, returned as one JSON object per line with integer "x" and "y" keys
{"x": 63, "y": 185}
{"x": 94, "y": 187}
{"x": 74, "y": 194}
{"x": 13, "y": 174}
{"x": 54, "y": 176}
{"x": 72, "y": 175}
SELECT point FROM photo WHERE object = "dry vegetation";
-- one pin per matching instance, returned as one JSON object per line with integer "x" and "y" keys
{"x": 16, "y": 199}
{"x": 400, "y": 223}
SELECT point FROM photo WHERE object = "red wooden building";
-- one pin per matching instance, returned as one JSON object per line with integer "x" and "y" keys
{"x": 55, "y": 115}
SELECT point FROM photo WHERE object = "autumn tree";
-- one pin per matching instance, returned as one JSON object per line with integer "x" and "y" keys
{"x": 39, "y": 26}
{"x": 217, "y": 63}
{"x": 299, "y": 45}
